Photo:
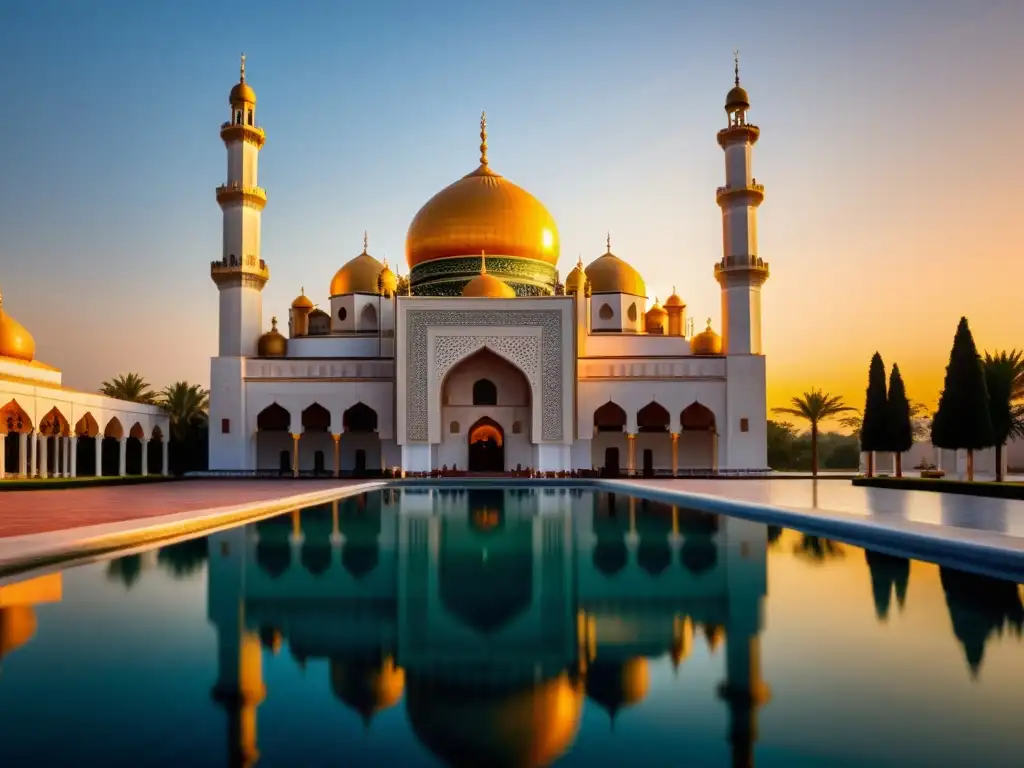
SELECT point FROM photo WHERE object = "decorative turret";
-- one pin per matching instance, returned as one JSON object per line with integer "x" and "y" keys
{"x": 676, "y": 309}
{"x": 741, "y": 272}
{"x": 656, "y": 319}
{"x": 487, "y": 286}
{"x": 241, "y": 273}
{"x": 298, "y": 316}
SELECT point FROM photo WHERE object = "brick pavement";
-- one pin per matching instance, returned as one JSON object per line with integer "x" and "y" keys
{"x": 27, "y": 512}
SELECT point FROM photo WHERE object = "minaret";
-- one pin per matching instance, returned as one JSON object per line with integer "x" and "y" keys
{"x": 741, "y": 273}
{"x": 241, "y": 274}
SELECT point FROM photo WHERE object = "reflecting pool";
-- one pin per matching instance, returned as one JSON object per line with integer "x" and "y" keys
{"x": 510, "y": 628}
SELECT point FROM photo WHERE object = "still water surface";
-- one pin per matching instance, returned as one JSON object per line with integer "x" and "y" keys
{"x": 510, "y": 628}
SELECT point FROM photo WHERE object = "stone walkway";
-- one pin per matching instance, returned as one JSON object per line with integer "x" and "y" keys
{"x": 27, "y": 512}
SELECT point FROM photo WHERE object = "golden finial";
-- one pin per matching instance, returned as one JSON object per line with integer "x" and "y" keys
{"x": 608, "y": 242}
{"x": 483, "y": 263}
{"x": 273, "y": 323}
{"x": 655, "y": 300}
{"x": 579, "y": 261}
{"x": 385, "y": 262}
{"x": 673, "y": 289}
{"x": 709, "y": 325}
{"x": 483, "y": 139}
{"x": 736, "y": 64}
{"x": 241, "y": 70}
{"x": 302, "y": 292}
{"x": 366, "y": 241}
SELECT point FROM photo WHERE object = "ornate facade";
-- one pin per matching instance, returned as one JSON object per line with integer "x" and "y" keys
{"x": 481, "y": 359}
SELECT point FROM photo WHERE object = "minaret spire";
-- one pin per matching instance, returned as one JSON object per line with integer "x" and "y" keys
{"x": 366, "y": 241}
{"x": 483, "y": 139}
{"x": 241, "y": 70}
{"x": 736, "y": 65}
{"x": 608, "y": 242}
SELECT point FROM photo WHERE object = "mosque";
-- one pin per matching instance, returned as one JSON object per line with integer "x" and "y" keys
{"x": 482, "y": 358}
{"x": 50, "y": 430}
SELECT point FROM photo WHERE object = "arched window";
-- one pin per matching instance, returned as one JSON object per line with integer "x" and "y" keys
{"x": 250, "y": 117}
{"x": 484, "y": 392}
{"x": 631, "y": 312}
{"x": 606, "y": 312}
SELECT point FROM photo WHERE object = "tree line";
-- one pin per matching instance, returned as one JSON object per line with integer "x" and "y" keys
{"x": 187, "y": 407}
{"x": 980, "y": 406}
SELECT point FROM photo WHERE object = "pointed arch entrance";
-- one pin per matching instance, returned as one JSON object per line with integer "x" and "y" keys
{"x": 486, "y": 446}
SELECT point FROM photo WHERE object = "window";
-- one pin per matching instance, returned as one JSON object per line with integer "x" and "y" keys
{"x": 250, "y": 117}
{"x": 342, "y": 314}
{"x": 225, "y": 426}
{"x": 631, "y": 312}
{"x": 454, "y": 427}
{"x": 606, "y": 312}
{"x": 485, "y": 392}
{"x": 517, "y": 427}
{"x": 744, "y": 425}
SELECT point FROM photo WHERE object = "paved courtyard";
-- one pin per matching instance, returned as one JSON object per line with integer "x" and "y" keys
{"x": 26, "y": 512}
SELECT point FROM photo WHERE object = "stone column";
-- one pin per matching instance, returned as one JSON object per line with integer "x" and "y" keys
{"x": 122, "y": 447}
{"x": 73, "y": 455}
{"x": 165, "y": 459}
{"x": 98, "y": 439}
{"x": 296, "y": 436}
{"x": 631, "y": 454}
{"x": 22, "y": 454}
{"x": 337, "y": 454}
{"x": 3, "y": 455}
{"x": 67, "y": 456}
{"x": 675, "y": 454}
{"x": 43, "y": 456}
{"x": 145, "y": 455}
{"x": 714, "y": 453}
{"x": 33, "y": 453}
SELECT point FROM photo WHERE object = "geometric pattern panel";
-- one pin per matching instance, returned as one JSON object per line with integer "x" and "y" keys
{"x": 550, "y": 359}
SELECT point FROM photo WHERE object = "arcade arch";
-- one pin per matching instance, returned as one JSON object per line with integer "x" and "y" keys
{"x": 610, "y": 447}
{"x": 359, "y": 443}
{"x": 698, "y": 438}
{"x": 274, "y": 443}
{"x": 492, "y": 394}
{"x": 653, "y": 442}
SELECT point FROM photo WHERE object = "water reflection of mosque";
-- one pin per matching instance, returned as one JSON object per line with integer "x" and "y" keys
{"x": 495, "y": 613}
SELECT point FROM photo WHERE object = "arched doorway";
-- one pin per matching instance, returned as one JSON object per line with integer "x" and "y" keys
{"x": 486, "y": 446}
{"x": 609, "y": 445}
{"x": 360, "y": 443}
{"x": 698, "y": 440}
{"x": 110, "y": 460}
{"x": 86, "y": 451}
{"x": 53, "y": 428}
{"x": 485, "y": 385}
{"x": 654, "y": 441}
{"x": 316, "y": 439}
{"x": 273, "y": 441}
{"x": 14, "y": 422}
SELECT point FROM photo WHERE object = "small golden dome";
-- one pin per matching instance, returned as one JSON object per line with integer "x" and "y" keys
{"x": 610, "y": 274}
{"x": 616, "y": 685}
{"x": 17, "y": 626}
{"x": 15, "y": 341}
{"x": 485, "y": 286}
{"x": 482, "y": 211}
{"x": 656, "y": 316}
{"x": 302, "y": 301}
{"x": 387, "y": 281}
{"x": 707, "y": 342}
{"x": 737, "y": 99}
{"x": 576, "y": 282}
{"x": 272, "y": 343}
{"x": 242, "y": 94}
{"x": 674, "y": 300}
{"x": 525, "y": 727}
{"x": 368, "y": 687}
{"x": 358, "y": 275}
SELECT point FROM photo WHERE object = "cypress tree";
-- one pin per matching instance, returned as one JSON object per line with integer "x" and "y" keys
{"x": 901, "y": 433}
{"x": 963, "y": 420}
{"x": 872, "y": 429}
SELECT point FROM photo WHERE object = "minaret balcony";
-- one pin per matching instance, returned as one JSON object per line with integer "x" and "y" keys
{"x": 738, "y": 134}
{"x": 749, "y": 194}
{"x": 232, "y": 271}
{"x": 232, "y": 132}
{"x": 237, "y": 193}
{"x": 749, "y": 269}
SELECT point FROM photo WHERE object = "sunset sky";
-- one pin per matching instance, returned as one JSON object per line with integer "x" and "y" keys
{"x": 888, "y": 152}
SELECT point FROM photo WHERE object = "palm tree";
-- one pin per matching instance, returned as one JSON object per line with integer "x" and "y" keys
{"x": 1004, "y": 377}
{"x": 186, "y": 405}
{"x": 129, "y": 386}
{"x": 815, "y": 406}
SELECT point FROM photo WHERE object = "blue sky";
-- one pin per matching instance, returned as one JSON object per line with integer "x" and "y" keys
{"x": 606, "y": 111}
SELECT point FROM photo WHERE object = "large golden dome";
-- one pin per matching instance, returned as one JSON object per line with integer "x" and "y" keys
{"x": 523, "y": 728}
{"x": 610, "y": 274}
{"x": 358, "y": 275}
{"x": 15, "y": 341}
{"x": 482, "y": 211}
